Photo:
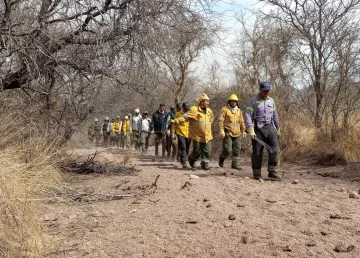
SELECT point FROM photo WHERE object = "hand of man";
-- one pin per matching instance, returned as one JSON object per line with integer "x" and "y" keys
{"x": 168, "y": 132}
{"x": 172, "y": 121}
{"x": 278, "y": 131}
{"x": 243, "y": 134}
{"x": 152, "y": 132}
{"x": 222, "y": 133}
{"x": 251, "y": 132}
{"x": 174, "y": 137}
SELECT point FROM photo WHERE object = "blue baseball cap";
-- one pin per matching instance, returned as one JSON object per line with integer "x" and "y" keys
{"x": 265, "y": 86}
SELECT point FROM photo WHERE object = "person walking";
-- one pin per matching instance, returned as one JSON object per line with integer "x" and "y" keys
{"x": 116, "y": 130}
{"x": 145, "y": 129}
{"x": 182, "y": 134}
{"x": 200, "y": 118}
{"x": 106, "y": 131}
{"x": 126, "y": 132}
{"x": 231, "y": 128}
{"x": 156, "y": 125}
{"x": 171, "y": 140}
{"x": 134, "y": 128}
{"x": 262, "y": 122}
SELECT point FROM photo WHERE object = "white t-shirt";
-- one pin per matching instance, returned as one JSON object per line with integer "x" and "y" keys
{"x": 145, "y": 125}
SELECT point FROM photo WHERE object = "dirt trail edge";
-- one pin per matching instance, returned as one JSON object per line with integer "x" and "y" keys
{"x": 157, "y": 209}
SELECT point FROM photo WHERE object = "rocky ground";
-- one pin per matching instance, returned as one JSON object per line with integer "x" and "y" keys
{"x": 153, "y": 208}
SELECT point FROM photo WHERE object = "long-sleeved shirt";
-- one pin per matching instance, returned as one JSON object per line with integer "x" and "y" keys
{"x": 231, "y": 119}
{"x": 261, "y": 111}
{"x": 166, "y": 121}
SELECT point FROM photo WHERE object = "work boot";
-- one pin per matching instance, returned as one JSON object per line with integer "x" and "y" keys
{"x": 205, "y": 166}
{"x": 274, "y": 175}
{"x": 257, "y": 174}
{"x": 191, "y": 162}
{"x": 221, "y": 161}
{"x": 184, "y": 165}
{"x": 235, "y": 165}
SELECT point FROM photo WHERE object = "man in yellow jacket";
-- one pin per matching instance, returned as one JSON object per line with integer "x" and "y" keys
{"x": 116, "y": 130}
{"x": 231, "y": 128}
{"x": 200, "y": 118}
{"x": 182, "y": 132}
{"x": 126, "y": 131}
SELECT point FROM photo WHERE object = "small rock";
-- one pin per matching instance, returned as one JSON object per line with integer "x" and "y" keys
{"x": 354, "y": 195}
{"x": 271, "y": 200}
{"x": 343, "y": 190}
{"x": 206, "y": 200}
{"x": 232, "y": 217}
{"x": 287, "y": 249}
{"x": 261, "y": 180}
{"x": 240, "y": 205}
{"x": 245, "y": 239}
{"x": 335, "y": 216}
{"x": 246, "y": 178}
{"x": 324, "y": 233}
{"x": 295, "y": 182}
{"x": 193, "y": 176}
{"x": 209, "y": 205}
{"x": 310, "y": 243}
{"x": 341, "y": 248}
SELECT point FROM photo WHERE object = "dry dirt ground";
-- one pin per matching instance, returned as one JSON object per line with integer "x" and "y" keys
{"x": 185, "y": 212}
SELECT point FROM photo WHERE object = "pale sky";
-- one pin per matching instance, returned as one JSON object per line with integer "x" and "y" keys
{"x": 220, "y": 53}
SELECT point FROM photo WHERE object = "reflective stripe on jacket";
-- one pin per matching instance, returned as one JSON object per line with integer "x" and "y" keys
{"x": 126, "y": 126}
{"x": 180, "y": 129}
{"x": 200, "y": 128}
{"x": 116, "y": 126}
{"x": 231, "y": 122}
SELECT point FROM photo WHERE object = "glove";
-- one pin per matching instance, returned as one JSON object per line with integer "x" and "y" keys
{"x": 222, "y": 133}
{"x": 152, "y": 132}
{"x": 172, "y": 121}
{"x": 174, "y": 137}
{"x": 278, "y": 131}
{"x": 251, "y": 132}
{"x": 243, "y": 134}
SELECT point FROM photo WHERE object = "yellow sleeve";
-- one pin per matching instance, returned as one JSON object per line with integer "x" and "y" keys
{"x": 221, "y": 119}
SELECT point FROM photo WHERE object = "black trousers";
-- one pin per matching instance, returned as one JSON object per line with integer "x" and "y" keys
{"x": 183, "y": 148}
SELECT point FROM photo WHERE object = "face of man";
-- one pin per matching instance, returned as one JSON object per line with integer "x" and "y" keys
{"x": 233, "y": 103}
{"x": 264, "y": 93}
{"x": 204, "y": 103}
{"x": 162, "y": 109}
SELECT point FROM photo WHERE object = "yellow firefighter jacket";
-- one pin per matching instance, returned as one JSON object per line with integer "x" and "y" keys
{"x": 180, "y": 129}
{"x": 199, "y": 123}
{"x": 231, "y": 122}
{"x": 116, "y": 127}
{"x": 126, "y": 126}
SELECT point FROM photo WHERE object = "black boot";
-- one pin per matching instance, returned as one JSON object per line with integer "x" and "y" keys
{"x": 274, "y": 175}
{"x": 205, "y": 166}
{"x": 235, "y": 165}
{"x": 221, "y": 161}
{"x": 191, "y": 162}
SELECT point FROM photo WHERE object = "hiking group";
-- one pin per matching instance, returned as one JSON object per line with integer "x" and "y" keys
{"x": 183, "y": 124}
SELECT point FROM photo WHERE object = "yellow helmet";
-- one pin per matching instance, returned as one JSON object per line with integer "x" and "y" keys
{"x": 202, "y": 97}
{"x": 233, "y": 97}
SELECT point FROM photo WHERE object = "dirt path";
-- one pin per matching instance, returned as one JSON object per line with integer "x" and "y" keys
{"x": 188, "y": 214}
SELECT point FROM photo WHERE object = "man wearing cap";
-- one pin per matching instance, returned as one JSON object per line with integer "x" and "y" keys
{"x": 135, "y": 128}
{"x": 106, "y": 129}
{"x": 200, "y": 120}
{"x": 231, "y": 128}
{"x": 171, "y": 141}
{"x": 126, "y": 131}
{"x": 262, "y": 121}
{"x": 144, "y": 127}
{"x": 182, "y": 133}
{"x": 116, "y": 130}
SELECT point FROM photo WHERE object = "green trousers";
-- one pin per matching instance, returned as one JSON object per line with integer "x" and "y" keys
{"x": 201, "y": 149}
{"x": 231, "y": 145}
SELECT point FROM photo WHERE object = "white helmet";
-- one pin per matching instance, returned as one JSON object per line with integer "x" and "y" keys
{"x": 137, "y": 111}
{"x": 106, "y": 118}
{"x": 126, "y": 117}
{"x": 96, "y": 120}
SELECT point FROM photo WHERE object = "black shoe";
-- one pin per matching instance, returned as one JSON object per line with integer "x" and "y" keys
{"x": 205, "y": 166}
{"x": 235, "y": 166}
{"x": 191, "y": 162}
{"x": 221, "y": 161}
{"x": 257, "y": 177}
{"x": 274, "y": 175}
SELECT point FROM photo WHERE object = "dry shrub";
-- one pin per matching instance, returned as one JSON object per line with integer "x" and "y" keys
{"x": 302, "y": 142}
{"x": 28, "y": 178}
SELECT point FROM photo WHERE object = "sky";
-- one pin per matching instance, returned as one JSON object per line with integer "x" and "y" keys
{"x": 220, "y": 53}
